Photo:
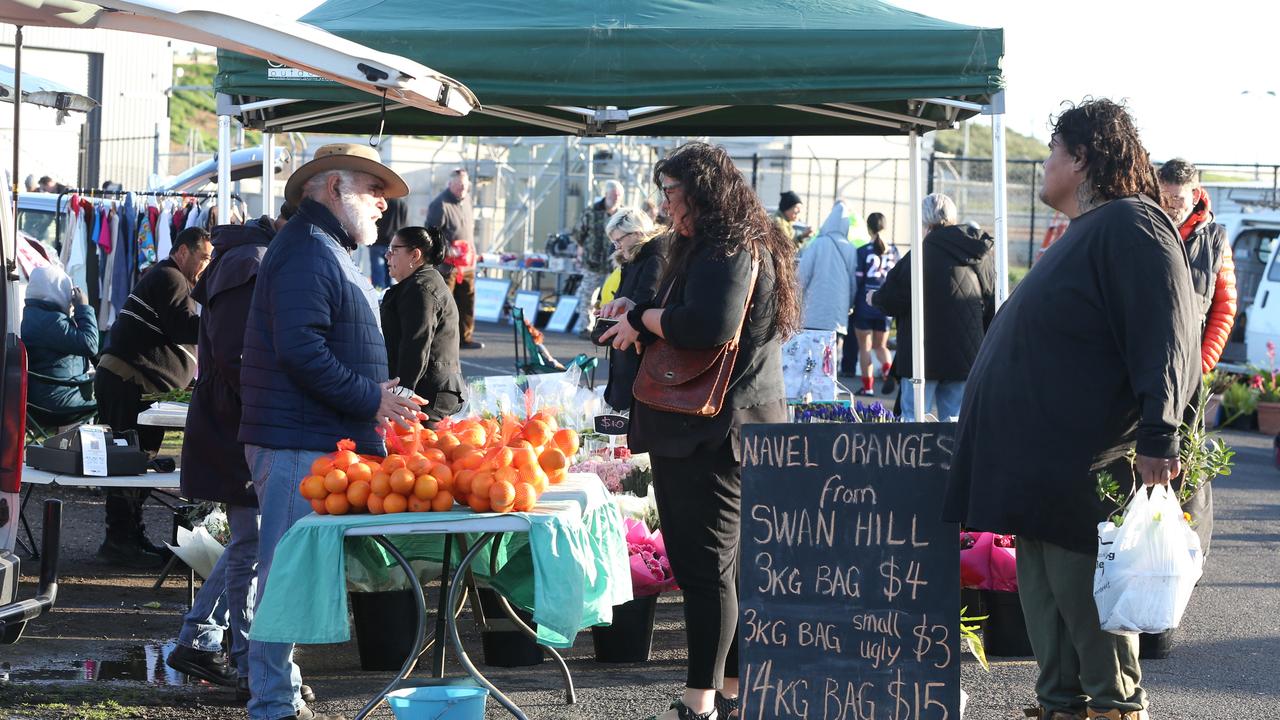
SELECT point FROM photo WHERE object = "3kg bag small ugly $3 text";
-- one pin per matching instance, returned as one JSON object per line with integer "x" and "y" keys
{"x": 1147, "y": 565}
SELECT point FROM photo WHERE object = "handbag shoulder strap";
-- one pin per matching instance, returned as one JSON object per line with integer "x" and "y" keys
{"x": 746, "y": 308}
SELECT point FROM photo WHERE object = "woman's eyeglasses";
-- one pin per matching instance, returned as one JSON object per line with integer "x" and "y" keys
{"x": 392, "y": 248}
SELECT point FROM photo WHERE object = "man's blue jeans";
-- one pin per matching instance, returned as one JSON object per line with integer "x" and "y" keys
{"x": 947, "y": 394}
{"x": 227, "y": 596}
{"x": 274, "y": 681}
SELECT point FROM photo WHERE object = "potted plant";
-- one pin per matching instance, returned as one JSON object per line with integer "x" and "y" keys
{"x": 1267, "y": 385}
{"x": 630, "y": 637}
{"x": 1239, "y": 406}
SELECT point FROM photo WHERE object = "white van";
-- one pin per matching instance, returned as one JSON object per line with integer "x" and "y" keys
{"x": 1253, "y": 242}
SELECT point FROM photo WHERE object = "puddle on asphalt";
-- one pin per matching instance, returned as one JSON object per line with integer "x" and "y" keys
{"x": 143, "y": 663}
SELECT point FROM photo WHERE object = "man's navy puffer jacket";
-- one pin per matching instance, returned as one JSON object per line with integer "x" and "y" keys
{"x": 313, "y": 349}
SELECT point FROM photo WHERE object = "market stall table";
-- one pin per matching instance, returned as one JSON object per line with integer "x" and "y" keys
{"x": 578, "y": 560}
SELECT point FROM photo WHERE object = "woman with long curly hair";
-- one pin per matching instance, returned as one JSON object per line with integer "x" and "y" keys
{"x": 719, "y": 229}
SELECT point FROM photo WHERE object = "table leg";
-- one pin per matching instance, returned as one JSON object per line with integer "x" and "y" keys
{"x": 454, "y": 588}
{"x": 443, "y": 608}
{"x": 31, "y": 546}
{"x": 420, "y": 603}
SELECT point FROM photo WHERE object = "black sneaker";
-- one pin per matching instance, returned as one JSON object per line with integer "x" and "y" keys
{"x": 126, "y": 553}
{"x": 889, "y": 386}
{"x": 471, "y": 345}
{"x": 727, "y": 708}
{"x": 203, "y": 664}
{"x": 150, "y": 548}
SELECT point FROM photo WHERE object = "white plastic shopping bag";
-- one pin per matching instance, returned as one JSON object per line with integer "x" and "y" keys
{"x": 1147, "y": 565}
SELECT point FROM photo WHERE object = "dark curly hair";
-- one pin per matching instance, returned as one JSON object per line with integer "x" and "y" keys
{"x": 728, "y": 214}
{"x": 1102, "y": 133}
{"x": 1178, "y": 172}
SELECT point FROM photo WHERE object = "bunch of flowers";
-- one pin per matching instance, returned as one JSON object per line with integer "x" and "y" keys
{"x": 611, "y": 472}
{"x": 840, "y": 413}
{"x": 1267, "y": 382}
{"x": 650, "y": 569}
{"x": 988, "y": 561}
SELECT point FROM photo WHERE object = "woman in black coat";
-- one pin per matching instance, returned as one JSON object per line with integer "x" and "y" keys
{"x": 640, "y": 256}
{"x": 420, "y": 322}
{"x": 719, "y": 230}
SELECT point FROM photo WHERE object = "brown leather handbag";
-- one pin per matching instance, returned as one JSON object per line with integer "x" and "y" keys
{"x": 690, "y": 382}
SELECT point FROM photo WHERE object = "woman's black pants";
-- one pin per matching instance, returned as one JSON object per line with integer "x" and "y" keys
{"x": 699, "y": 499}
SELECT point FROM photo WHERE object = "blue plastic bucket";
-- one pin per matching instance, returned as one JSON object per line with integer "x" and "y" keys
{"x": 439, "y": 702}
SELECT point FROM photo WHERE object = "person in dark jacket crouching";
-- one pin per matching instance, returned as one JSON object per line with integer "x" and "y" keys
{"x": 640, "y": 256}
{"x": 150, "y": 349}
{"x": 1112, "y": 303}
{"x": 420, "y": 321}
{"x": 60, "y": 331}
{"x": 721, "y": 231}
{"x": 959, "y": 302}
{"x": 314, "y": 368}
{"x": 213, "y": 464}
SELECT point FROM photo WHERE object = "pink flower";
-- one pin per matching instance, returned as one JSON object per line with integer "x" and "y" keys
{"x": 1255, "y": 382}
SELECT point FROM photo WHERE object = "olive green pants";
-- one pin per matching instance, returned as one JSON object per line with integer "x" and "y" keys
{"x": 1080, "y": 663}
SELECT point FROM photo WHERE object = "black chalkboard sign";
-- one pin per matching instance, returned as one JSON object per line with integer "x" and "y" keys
{"x": 850, "y": 582}
{"x": 612, "y": 424}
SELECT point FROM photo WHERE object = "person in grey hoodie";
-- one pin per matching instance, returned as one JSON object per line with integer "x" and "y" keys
{"x": 828, "y": 275}
{"x": 959, "y": 302}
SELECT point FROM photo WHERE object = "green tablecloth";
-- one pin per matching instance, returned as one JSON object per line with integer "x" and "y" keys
{"x": 569, "y": 569}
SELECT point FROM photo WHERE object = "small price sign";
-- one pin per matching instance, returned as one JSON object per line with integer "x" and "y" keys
{"x": 612, "y": 424}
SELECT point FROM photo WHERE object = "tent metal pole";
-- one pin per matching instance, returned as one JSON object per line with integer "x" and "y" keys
{"x": 268, "y": 174}
{"x": 917, "y": 280}
{"x": 1000, "y": 190}
{"x": 224, "y": 169}
{"x": 17, "y": 129}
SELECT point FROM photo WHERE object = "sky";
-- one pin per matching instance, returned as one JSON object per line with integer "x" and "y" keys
{"x": 1196, "y": 75}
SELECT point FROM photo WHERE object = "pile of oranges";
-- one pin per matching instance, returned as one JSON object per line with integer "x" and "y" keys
{"x": 485, "y": 464}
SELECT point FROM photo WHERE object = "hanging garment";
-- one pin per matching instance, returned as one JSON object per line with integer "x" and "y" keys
{"x": 71, "y": 214}
{"x": 124, "y": 250}
{"x": 164, "y": 229}
{"x": 106, "y": 313}
{"x": 77, "y": 249}
{"x": 180, "y": 217}
{"x": 193, "y": 215}
{"x": 146, "y": 256}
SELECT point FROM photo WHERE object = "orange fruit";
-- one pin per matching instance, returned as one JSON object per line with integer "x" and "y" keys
{"x": 481, "y": 483}
{"x": 402, "y": 482}
{"x": 435, "y": 455}
{"x": 523, "y": 457}
{"x": 520, "y": 443}
{"x": 443, "y": 475}
{"x": 526, "y": 497}
{"x": 425, "y": 487}
{"x": 506, "y": 474}
{"x": 473, "y": 435}
{"x": 502, "y": 494}
{"x": 428, "y": 436}
{"x": 447, "y": 442}
{"x": 359, "y": 472}
{"x": 547, "y": 417}
{"x": 418, "y": 464}
{"x": 536, "y": 477}
{"x": 461, "y": 450}
{"x": 312, "y": 487}
{"x": 344, "y": 459}
{"x": 536, "y": 432}
{"x": 462, "y": 481}
{"x": 318, "y": 506}
{"x": 553, "y": 460}
{"x": 442, "y": 501}
{"x": 504, "y": 457}
{"x": 392, "y": 463}
{"x": 471, "y": 461}
{"x": 375, "y": 505}
{"x": 394, "y": 503}
{"x": 417, "y": 504}
{"x": 558, "y": 476}
{"x": 380, "y": 485}
{"x": 336, "y": 481}
{"x": 358, "y": 495}
{"x": 567, "y": 440}
{"x": 322, "y": 465}
{"x": 478, "y": 502}
{"x": 336, "y": 504}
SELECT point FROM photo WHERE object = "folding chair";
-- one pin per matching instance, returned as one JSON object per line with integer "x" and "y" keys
{"x": 529, "y": 359}
{"x": 43, "y": 422}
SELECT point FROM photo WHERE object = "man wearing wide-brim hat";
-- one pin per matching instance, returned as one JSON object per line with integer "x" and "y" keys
{"x": 314, "y": 368}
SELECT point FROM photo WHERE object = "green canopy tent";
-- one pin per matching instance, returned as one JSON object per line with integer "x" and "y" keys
{"x": 658, "y": 67}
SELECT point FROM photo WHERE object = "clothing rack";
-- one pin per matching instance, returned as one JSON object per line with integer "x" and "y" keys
{"x": 96, "y": 193}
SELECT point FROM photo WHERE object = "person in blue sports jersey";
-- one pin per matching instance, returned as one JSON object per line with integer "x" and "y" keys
{"x": 870, "y": 323}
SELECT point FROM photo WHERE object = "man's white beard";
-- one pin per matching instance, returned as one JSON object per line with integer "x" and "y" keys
{"x": 356, "y": 222}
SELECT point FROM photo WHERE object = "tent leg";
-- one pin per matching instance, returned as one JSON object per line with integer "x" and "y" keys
{"x": 1000, "y": 190}
{"x": 17, "y": 128}
{"x": 268, "y": 174}
{"x": 917, "y": 281}
{"x": 224, "y": 165}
